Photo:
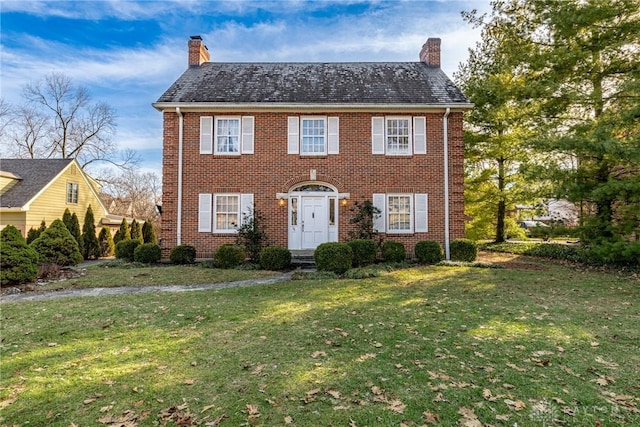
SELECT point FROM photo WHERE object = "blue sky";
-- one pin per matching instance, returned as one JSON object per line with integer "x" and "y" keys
{"x": 127, "y": 53}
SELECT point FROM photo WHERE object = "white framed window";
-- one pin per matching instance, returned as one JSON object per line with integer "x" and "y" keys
{"x": 226, "y": 135}
{"x": 398, "y": 135}
{"x": 313, "y": 135}
{"x": 223, "y": 213}
{"x": 72, "y": 192}
{"x": 226, "y": 212}
{"x": 401, "y": 213}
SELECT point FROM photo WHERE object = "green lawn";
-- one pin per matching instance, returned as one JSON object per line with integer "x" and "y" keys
{"x": 534, "y": 344}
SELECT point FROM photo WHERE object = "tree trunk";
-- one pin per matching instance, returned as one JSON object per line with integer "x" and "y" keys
{"x": 502, "y": 209}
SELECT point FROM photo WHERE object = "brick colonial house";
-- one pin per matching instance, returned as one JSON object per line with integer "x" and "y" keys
{"x": 302, "y": 142}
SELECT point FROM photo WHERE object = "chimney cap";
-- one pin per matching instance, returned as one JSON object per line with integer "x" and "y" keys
{"x": 198, "y": 37}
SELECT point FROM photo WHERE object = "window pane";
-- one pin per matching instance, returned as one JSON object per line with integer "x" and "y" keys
{"x": 399, "y": 213}
{"x": 228, "y": 135}
{"x": 313, "y": 137}
{"x": 332, "y": 211}
{"x": 398, "y": 136}
{"x": 294, "y": 211}
{"x": 227, "y": 212}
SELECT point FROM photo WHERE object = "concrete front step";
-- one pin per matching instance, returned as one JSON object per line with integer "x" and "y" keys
{"x": 303, "y": 259}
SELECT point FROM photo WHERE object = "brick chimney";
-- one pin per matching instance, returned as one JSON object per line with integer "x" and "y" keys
{"x": 430, "y": 53}
{"x": 198, "y": 52}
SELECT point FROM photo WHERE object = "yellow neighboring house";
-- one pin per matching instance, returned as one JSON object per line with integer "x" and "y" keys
{"x": 32, "y": 190}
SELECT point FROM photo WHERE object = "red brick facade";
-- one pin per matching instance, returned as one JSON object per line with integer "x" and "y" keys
{"x": 270, "y": 170}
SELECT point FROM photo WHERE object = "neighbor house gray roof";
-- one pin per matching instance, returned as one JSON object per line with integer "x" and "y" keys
{"x": 35, "y": 174}
{"x": 359, "y": 83}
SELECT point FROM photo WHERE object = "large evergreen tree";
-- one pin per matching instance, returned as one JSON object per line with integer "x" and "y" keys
{"x": 89, "y": 239}
{"x": 496, "y": 132}
{"x": 578, "y": 62}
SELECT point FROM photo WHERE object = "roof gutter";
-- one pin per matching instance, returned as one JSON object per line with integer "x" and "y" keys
{"x": 180, "y": 143}
{"x": 445, "y": 132}
{"x": 297, "y": 106}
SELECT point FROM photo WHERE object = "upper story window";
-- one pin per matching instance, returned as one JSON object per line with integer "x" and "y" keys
{"x": 72, "y": 192}
{"x": 397, "y": 132}
{"x": 313, "y": 135}
{"x": 226, "y": 135}
{"x": 398, "y": 136}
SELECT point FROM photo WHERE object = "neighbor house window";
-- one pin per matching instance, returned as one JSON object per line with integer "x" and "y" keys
{"x": 227, "y": 135}
{"x": 313, "y": 136}
{"x": 397, "y": 131}
{"x": 227, "y": 212}
{"x": 399, "y": 213}
{"x": 72, "y": 192}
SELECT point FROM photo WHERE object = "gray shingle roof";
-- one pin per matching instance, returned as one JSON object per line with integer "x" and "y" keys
{"x": 35, "y": 174}
{"x": 320, "y": 83}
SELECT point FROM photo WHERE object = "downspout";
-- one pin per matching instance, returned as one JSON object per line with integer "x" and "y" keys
{"x": 180, "y": 141}
{"x": 445, "y": 131}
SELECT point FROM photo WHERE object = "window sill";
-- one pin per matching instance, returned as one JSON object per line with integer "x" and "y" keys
{"x": 313, "y": 156}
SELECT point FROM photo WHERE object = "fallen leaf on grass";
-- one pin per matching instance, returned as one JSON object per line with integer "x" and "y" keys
{"x": 469, "y": 418}
{"x": 317, "y": 354}
{"x": 430, "y": 418}
{"x": 288, "y": 420}
{"x": 517, "y": 405}
{"x": 365, "y": 357}
{"x": 189, "y": 382}
{"x": 334, "y": 393}
{"x": 517, "y": 368}
{"x": 217, "y": 420}
{"x": 397, "y": 406}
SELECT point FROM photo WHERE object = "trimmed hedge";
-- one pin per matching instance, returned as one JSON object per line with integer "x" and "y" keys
{"x": 183, "y": 254}
{"x": 18, "y": 262}
{"x": 463, "y": 250}
{"x": 275, "y": 258}
{"x": 333, "y": 256}
{"x": 393, "y": 251}
{"x": 229, "y": 256}
{"x": 147, "y": 253}
{"x": 56, "y": 245}
{"x": 428, "y": 252}
{"x": 364, "y": 252}
{"x": 126, "y": 248}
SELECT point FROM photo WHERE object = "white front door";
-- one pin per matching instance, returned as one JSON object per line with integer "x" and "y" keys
{"x": 314, "y": 225}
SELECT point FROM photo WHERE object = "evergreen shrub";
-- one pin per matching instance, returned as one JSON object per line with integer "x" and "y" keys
{"x": 275, "y": 258}
{"x": 229, "y": 256}
{"x": 463, "y": 250}
{"x": 364, "y": 252}
{"x": 147, "y": 253}
{"x": 183, "y": 254}
{"x": 126, "y": 248}
{"x": 428, "y": 252}
{"x": 56, "y": 245}
{"x": 393, "y": 251}
{"x": 18, "y": 262}
{"x": 333, "y": 256}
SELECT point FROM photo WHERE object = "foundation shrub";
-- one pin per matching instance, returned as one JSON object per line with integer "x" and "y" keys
{"x": 393, "y": 251}
{"x": 364, "y": 252}
{"x": 428, "y": 252}
{"x": 333, "y": 256}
